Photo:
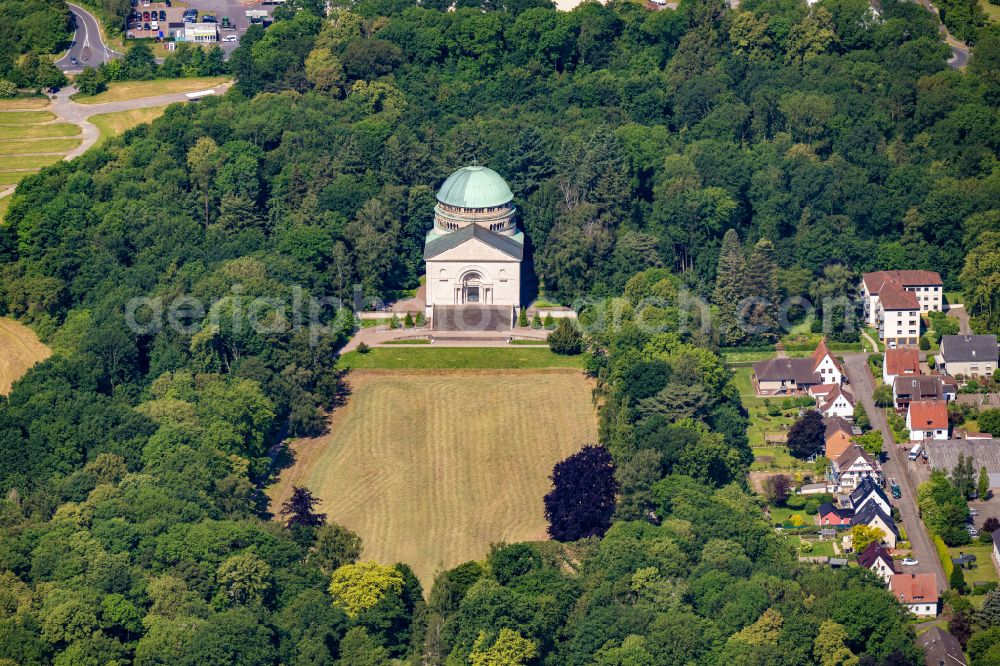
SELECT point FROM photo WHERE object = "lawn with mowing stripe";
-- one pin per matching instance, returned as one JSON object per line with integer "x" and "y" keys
{"x": 25, "y": 117}
{"x": 459, "y": 357}
{"x": 29, "y": 146}
{"x": 24, "y": 103}
{"x": 12, "y": 177}
{"x": 113, "y": 124}
{"x": 34, "y": 162}
{"x": 4, "y": 205}
{"x": 117, "y": 92}
{"x": 38, "y": 131}
{"x": 432, "y": 467}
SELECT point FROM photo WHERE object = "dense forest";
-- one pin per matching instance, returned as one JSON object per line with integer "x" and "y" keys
{"x": 830, "y": 141}
{"x": 30, "y": 31}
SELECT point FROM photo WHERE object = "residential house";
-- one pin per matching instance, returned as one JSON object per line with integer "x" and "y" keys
{"x": 941, "y": 648}
{"x": 900, "y": 363}
{"x": 893, "y": 301}
{"x": 968, "y": 355}
{"x": 922, "y": 387}
{"x": 852, "y": 466}
{"x": 831, "y": 515}
{"x": 918, "y": 592}
{"x": 869, "y": 491}
{"x": 872, "y": 515}
{"x": 877, "y": 559}
{"x": 832, "y": 400}
{"x": 781, "y": 376}
{"x": 839, "y": 436}
{"x": 927, "y": 419}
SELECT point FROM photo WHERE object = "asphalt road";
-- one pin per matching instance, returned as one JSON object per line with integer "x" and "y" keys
{"x": 88, "y": 48}
{"x": 862, "y": 386}
{"x": 959, "y": 56}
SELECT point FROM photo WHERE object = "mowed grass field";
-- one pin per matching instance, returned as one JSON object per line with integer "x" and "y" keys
{"x": 117, "y": 92}
{"x": 406, "y": 356}
{"x": 19, "y": 350}
{"x": 113, "y": 124}
{"x": 31, "y": 139}
{"x": 430, "y": 467}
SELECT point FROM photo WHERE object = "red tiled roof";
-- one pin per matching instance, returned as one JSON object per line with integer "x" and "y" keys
{"x": 877, "y": 279}
{"x": 894, "y": 297}
{"x": 902, "y": 362}
{"x": 914, "y": 588}
{"x": 928, "y": 415}
{"x": 822, "y": 352}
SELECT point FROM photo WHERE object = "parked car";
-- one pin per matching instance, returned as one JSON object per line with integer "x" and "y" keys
{"x": 73, "y": 60}
{"x": 897, "y": 492}
{"x": 910, "y": 562}
{"x": 163, "y": 15}
{"x": 230, "y": 38}
{"x": 145, "y": 16}
{"x": 208, "y": 19}
{"x": 145, "y": 26}
{"x": 154, "y": 26}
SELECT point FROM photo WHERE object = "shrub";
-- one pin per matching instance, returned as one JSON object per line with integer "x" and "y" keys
{"x": 550, "y": 323}
{"x": 787, "y": 403}
{"x": 394, "y": 323}
{"x": 773, "y": 410}
{"x": 7, "y": 88}
{"x": 363, "y": 348}
{"x": 536, "y": 322}
{"x": 796, "y": 502}
{"x": 408, "y": 320}
{"x": 522, "y": 318}
{"x": 566, "y": 339}
{"x": 420, "y": 319}
{"x": 924, "y": 343}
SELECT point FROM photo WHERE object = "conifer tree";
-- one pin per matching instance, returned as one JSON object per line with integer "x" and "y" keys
{"x": 729, "y": 281}
{"x": 522, "y": 318}
{"x": 760, "y": 284}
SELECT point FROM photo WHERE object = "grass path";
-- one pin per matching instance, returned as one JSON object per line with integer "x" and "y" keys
{"x": 20, "y": 349}
{"x": 125, "y": 90}
{"x": 430, "y": 468}
{"x": 25, "y": 117}
{"x": 24, "y": 103}
{"x": 36, "y": 146}
{"x": 45, "y": 131}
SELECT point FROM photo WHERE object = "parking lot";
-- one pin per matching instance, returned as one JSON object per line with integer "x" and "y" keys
{"x": 157, "y": 19}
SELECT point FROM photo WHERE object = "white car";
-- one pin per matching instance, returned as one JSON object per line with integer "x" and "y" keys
{"x": 230, "y": 38}
{"x": 909, "y": 562}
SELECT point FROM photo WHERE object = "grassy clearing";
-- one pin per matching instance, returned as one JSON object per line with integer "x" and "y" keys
{"x": 13, "y": 177}
{"x": 459, "y": 358}
{"x": 432, "y": 468}
{"x": 25, "y": 117}
{"x": 4, "y": 205}
{"x": 993, "y": 12}
{"x": 113, "y": 124}
{"x": 30, "y": 162}
{"x": 983, "y": 570}
{"x": 24, "y": 103}
{"x": 117, "y": 92}
{"x": 18, "y": 147}
{"x": 21, "y": 350}
{"x": 776, "y": 459}
{"x": 39, "y": 131}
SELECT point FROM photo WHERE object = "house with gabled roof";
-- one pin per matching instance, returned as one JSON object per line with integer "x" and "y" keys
{"x": 838, "y": 436}
{"x": 832, "y": 515}
{"x": 872, "y": 515}
{"x": 876, "y": 558}
{"x": 900, "y": 362}
{"x": 921, "y": 387}
{"x": 833, "y": 400}
{"x": 785, "y": 376}
{"x": 968, "y": 355}
{"x": 918, "y": 592}
{"x": 941, "y": 648}
{"x": 927, "y": 419}
{"x": 852, "y": 466}
{"x": 894, "y": 300}
{"x": 869, "y": 491}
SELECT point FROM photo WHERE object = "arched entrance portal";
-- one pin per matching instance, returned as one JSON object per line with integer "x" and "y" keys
{"x": 472, "y": 287}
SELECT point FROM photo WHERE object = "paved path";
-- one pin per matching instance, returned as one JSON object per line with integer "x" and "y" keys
{"x": 863, "y": 385}
{"x": 68, "y": 111}
{"x": 380, "y": 335}
{"x": 88, "y": 47}
{"x": 959, "y": 312}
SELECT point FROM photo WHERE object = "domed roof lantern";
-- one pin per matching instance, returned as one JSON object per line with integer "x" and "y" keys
{"x": 475, "y": 187}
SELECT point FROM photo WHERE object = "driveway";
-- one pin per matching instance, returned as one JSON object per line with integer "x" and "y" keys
{"x": 863, "y": 385}
{"x": 88, "y": 48}
{"x": 959, "y": 312}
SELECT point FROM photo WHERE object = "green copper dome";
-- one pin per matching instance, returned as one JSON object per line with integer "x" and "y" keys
{"x": 475, "y": 187}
